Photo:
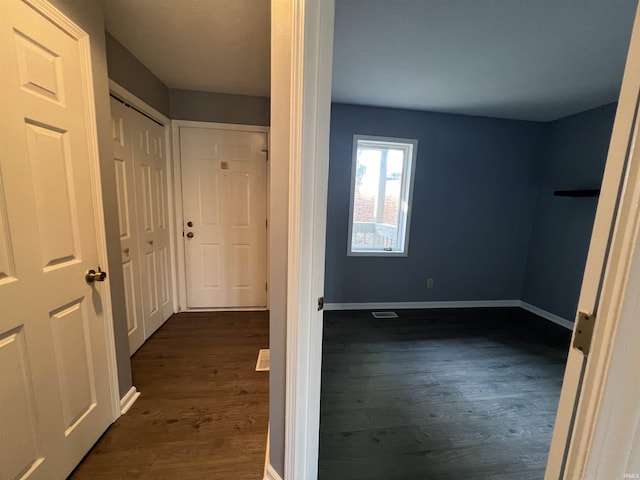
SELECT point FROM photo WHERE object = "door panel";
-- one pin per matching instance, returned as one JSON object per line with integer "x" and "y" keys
{"x": 16, "y": 391}
{"x": 70, "y": 333}
{"x": 56, "y": 397}
{"x": 224, "y": 196}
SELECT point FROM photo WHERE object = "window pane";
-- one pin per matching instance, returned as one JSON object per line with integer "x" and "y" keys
{"x": 366, "y": 195}
{"x": 393, "y": 188}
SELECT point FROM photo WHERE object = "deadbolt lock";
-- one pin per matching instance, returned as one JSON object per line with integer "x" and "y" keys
{"x": 189, "y": 224}
{"x": 93, "y": 276}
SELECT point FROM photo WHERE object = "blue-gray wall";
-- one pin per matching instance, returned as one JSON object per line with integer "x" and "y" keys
{"x": 575, "y": 156}
{"x": 473, "y": 207}
{"x": 485, "y": 224}
{"x": 219, "y": 107}
{"x": 130, "y": 73}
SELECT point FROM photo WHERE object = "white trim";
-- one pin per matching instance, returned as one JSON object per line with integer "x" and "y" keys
{"x": 237, "y": 127}
{"x": 547, "y": 315}
{"x": 128, "y": 400}
{"x": 422, "y": 305}
{"x": 310, "y": 95}
{"x": 178, "y": 219}
{"x": 125, "y": 95}
{"x": 226, "y": 309}
{"x": 271, "y": 474}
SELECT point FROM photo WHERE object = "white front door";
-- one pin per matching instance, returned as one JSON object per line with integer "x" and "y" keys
{"x": 225, "y": 217}
{"x": 55, "y": 396}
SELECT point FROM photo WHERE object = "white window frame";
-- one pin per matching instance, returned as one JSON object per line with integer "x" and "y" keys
{"x": 406, "y": 194}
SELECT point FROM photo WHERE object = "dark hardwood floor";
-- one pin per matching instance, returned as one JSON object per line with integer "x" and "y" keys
{"x": 439, "y": 394}
{"x": 203, "y": 412}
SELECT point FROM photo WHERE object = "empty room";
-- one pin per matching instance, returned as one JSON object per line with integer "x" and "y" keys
{"x": 335, "y": 239}
{"x": 467, "y": 149}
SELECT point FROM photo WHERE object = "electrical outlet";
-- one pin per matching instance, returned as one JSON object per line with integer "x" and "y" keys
{"x": 429, "y": 282}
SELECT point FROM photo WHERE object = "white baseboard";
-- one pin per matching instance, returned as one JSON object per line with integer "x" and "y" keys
{"x": 547, "y": 315}
{"x": 128, "y": 400}
{"x": 422, "y": 305}
{"x": 465, "y": 304}
{"x": 271, "y": 474}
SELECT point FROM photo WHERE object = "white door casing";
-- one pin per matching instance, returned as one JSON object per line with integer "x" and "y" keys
{"x": 224, "y": 198}
{"x": 56, "y": 346}
{"x": 125, "y": 189}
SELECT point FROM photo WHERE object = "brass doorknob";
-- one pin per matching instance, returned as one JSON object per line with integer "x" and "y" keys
{"x": 93, "y": 276}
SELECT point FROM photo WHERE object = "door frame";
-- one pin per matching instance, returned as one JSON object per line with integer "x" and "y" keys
{"x": 130, "y": 99}
{"x": 599, "y": 450}
{"x": 178, "y": 238}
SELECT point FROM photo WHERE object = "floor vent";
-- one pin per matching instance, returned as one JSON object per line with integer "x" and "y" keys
{"x": 262, "y": 365}
{"x": 384, "y": 314}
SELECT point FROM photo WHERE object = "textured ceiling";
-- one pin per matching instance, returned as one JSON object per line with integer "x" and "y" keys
{"x": 521, "y": 59}
{"x": 209, "y": 45}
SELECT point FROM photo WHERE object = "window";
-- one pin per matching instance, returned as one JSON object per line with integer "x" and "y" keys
{"x": 381, "y": 185}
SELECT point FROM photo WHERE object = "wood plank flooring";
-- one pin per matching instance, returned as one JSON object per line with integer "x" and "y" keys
{"x": 203, "y": 412}
{"x": 439, "y": 394}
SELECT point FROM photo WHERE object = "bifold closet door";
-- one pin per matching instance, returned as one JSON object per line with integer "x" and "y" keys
{"x": 141, "y": 174}
{"x": 122, "y": 134}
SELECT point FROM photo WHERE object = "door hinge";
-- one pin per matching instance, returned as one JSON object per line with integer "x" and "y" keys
{"x": 266, "y": 223}
{"x": 266, "y": 287}
{"x": 584, "y": 332}
{"x": 320, "y": 303}
{"x": 266, "y": 150}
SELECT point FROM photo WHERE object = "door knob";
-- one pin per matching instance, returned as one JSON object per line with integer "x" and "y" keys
{"x": 190, "y": 235}
{"x": 189, "y": 224}
{"x": 93, "y": 276}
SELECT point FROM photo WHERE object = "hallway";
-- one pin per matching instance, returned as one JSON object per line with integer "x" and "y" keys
{"x": 203, "y": 411}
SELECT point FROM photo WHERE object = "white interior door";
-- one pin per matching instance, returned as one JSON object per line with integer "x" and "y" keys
{"x": 122, "y": 134}
{"x": 55, "y": 397}
{"x": 225, "y": 217}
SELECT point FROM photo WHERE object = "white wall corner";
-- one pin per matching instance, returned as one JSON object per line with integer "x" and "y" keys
{"x": 128, "y": 400}
{"x": 271, "y": 474}
{"x": 547, "y": 315}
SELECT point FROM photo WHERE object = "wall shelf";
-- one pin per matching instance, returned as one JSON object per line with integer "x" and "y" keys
{"x": 577, "y": 193}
